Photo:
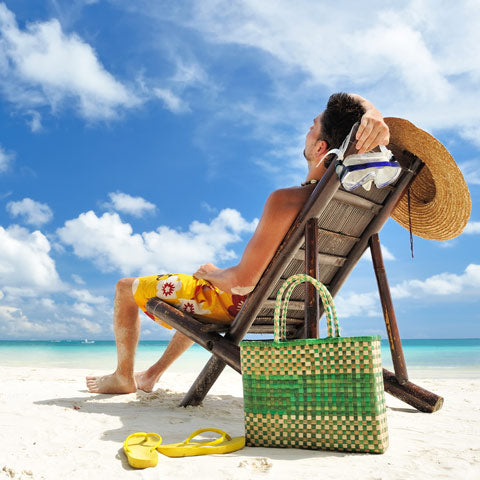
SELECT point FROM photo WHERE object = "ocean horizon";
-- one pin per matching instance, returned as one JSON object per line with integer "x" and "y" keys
{"x": 437, "y": 357}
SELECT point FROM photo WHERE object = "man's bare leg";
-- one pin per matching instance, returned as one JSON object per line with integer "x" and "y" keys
{"x": 178, "y": 344}
{"x": 126, "y": 325}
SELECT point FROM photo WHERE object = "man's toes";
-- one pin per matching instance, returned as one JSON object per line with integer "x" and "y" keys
{"x": 92, "y": 384}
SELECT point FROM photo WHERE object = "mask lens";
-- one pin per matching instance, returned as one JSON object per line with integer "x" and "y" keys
{"x": 359, "y": 170}
{"x": 387, "y": 175}
{"x": 354, "y": 179}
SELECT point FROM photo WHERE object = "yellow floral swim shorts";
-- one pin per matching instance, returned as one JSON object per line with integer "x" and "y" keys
{"x": 189, "y": 294}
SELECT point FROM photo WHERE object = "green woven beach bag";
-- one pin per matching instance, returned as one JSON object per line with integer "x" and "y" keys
{"x": 314, "y": 393}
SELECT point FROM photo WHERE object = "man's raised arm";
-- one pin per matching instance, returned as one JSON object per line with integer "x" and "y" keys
{"x": 373, "y": 131}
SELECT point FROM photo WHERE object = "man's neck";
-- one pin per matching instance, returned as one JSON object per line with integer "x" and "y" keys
{"x": 314, "y": 171}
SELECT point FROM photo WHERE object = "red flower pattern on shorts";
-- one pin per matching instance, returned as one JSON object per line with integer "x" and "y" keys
{"x": 188, "y": 308}
{"x": 148, "y": 314}
{"x": 192, "y": 306}
{"x": 167, "y": 288}
{"x": 238, "y": 301}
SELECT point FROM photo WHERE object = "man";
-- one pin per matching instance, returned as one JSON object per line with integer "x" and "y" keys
{"x": 210, "y": 287}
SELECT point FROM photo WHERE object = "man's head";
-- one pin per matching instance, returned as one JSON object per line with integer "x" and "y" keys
{"x": 341, "y": 113}
{"x": 331, "y": 127}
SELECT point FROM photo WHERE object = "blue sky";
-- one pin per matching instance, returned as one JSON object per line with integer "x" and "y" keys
{"x": 144, "y": 137}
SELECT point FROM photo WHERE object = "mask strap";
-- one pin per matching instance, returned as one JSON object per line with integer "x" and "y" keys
{"x": 336, "y": 151}
{"x": 340, "y": 152}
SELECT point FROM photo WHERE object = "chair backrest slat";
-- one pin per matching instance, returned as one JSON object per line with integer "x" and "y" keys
{"x": 345, "y": 226}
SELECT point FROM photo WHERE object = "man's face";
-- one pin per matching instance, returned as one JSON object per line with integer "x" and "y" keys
{"x": 312, "y": 138}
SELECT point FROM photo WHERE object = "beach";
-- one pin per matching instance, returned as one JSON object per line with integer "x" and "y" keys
{"x": 52, "y": 428}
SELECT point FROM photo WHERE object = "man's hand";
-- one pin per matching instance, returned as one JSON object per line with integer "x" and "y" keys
{"x": 373, "y": 131}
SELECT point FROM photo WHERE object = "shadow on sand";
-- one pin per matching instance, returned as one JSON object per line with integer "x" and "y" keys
{"x": 162, "y": 410}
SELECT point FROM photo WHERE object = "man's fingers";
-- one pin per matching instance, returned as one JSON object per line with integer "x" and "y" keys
{"x": 373, "y": 134}
{"x": 364, "y": 131}
{"x": 376, "y": 138}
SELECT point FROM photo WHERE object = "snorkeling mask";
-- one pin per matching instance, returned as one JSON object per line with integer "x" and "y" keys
{"x": 363, "y": 169}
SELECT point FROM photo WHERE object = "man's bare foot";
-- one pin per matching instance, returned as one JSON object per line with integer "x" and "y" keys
{"x": 113, "y": 383}
{"x": 207, "y": 270}
{"x": 218, "y": 277}
{"x": 145, "y": 381}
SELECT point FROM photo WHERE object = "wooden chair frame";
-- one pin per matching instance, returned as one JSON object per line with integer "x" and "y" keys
{"x": 304, "y": 231}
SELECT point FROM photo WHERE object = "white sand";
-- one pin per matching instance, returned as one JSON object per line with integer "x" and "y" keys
{"x": 42, "y": 435}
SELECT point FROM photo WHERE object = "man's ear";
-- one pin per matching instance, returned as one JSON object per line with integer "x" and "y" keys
{"x": 321, "y": 148}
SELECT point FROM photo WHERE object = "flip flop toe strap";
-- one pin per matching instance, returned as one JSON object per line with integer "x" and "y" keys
{"x": 145, "y": 437}
{"x": 224, "y": 436}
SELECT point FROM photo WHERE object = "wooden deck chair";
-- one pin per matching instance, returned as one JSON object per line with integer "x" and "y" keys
{"x": 326, "y": 240}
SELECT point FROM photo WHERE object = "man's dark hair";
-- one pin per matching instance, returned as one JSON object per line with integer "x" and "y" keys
{"x": 341, "y": 113}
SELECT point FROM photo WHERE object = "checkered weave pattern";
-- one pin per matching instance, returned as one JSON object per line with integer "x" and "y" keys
{"x": 314, "y": 393}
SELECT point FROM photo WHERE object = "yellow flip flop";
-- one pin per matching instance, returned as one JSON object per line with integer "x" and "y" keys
{"x": 140, "y": 449}
{"x": 187, "y": 448}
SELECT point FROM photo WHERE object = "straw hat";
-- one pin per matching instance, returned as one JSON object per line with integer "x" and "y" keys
{"x": 439, "y": 198}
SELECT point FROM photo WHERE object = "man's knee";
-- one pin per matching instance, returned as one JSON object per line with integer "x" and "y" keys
{"x": 124, "y": 288}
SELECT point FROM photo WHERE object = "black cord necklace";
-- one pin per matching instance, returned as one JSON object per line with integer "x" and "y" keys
{"x": 309, "y": 182}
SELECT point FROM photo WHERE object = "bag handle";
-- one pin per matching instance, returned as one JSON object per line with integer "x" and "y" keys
{"x": 280, "y": 315}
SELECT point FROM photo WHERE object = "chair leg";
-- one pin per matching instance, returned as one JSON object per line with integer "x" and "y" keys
{"x": 414, "y": 395}
{"x": 204, "y": 382}
{"x": 311, "y": 268}
{"x": 396, "y": 349}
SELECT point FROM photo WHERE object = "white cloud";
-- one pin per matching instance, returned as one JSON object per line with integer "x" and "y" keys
{"x": 26, "y": 267}
{"x": 35, "y": 122}
{"x": 188, "y": 76}
{"x": 83, "y": 309}
{"x": 447, "y": 285}
{"x": 386, "y": 254}
{"x": 208, "y": 207}
{"x": 16, "y": 323}
{"x": 42, "y": 65}
{"x": 443, "y": 284}
{"x": 5, "y": 160}
{"x": 472, "y": 228}
{"x": 78, "y": 279}
{"x": 358, "y": 304}
{"x": 13, "y": 320}
{"x": 42, "y": 317}
{"x": 396, "y": 54}
{"x": 85, "y": 296}
{"x": 47, "y": 303}
{"x": 112, "y": 245}
{"x": 171, "y": 101}
{"x": 89, "y": 326}
{"x": 32, "y": 212}
{"x": 28, "y": 278}
{"x": 471, "y": 172}
{"x": 136, "y": 206}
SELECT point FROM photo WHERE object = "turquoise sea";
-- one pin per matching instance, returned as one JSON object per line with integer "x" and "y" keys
{"x": 441, "y": 358}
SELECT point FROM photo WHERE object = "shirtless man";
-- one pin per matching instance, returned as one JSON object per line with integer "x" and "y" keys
{"x": 282, "y": 206}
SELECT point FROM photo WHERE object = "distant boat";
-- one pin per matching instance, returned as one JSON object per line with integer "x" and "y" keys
{"x": 88, "y": 341}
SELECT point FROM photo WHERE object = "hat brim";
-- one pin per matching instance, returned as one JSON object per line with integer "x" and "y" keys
{"x": 440, "y": 203}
